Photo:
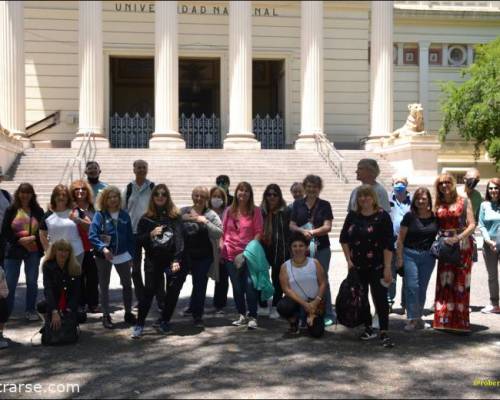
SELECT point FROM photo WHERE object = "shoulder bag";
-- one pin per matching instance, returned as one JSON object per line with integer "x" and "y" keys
{"x": 446, "y": 253}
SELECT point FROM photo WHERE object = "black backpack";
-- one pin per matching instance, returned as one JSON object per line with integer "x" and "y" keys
{"x": 351, "y": 304}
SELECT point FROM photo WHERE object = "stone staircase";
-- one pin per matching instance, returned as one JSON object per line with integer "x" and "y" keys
{"x": 181, "y": 170}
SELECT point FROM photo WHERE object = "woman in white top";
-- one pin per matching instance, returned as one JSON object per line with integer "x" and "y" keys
{"x": 60, "y": 222}
{"x": 303, "y": 282}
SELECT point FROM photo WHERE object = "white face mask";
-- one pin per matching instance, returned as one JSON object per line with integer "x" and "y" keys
{"x": 216, "y": 202}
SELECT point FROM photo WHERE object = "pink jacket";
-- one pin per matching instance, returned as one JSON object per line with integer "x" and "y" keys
{"x": 238, "y": 232}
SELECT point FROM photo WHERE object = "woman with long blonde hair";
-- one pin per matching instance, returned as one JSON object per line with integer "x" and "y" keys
{"x": 113, "y": 241}
{"x": 456, "y": 224}
{"x": 61, "y": 282}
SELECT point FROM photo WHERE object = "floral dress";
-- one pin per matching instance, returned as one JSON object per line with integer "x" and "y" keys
{"x": 453, "y": 281}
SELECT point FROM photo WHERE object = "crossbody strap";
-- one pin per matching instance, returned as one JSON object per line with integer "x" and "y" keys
{"x": 297, "y": 282}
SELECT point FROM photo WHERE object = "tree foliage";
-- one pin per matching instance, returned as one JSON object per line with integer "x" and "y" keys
{"x": 473, "y": 107}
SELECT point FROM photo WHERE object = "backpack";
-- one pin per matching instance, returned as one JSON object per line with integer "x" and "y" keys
{"x": 351, "y": 304}
{"x": 129, "y": 191}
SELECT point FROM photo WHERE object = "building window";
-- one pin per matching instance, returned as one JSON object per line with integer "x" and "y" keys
{"x": 410, "y": 56}
{"x": 435, "y": 56}
{"x": 395, "y": 54}
{"x": 457, "y": 55}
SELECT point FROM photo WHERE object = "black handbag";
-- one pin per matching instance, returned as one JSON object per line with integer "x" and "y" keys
{"x": 449, "y": 254}
{"x": 444, "y": 252}
{"x": 67, "y": 334}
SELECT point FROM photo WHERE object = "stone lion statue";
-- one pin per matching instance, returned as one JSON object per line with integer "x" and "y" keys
{"x": 414, "y": 124}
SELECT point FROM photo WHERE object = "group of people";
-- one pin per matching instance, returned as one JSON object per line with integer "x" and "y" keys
{"x": 91, "y": 226}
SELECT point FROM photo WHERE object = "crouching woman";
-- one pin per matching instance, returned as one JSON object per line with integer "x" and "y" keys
{"x": 303, "y": 281}
{"x": 61, "y": 283}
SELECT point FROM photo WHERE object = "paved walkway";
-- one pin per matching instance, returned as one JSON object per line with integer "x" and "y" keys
{"x": 228, "y": 362}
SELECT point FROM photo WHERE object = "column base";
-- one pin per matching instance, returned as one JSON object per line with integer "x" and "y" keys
{"x": 241, "y": 142}
{"x": 306, "y": 141}
{"x": 167, "y": 141}
{"x": 100, "y": 142}
{"x": 414, "y": 156}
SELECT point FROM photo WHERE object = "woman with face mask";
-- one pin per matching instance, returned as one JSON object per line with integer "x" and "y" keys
{"x": 202, "y": 231}
{"x": 400, "y": 202}
{"x": 218, "y": 203}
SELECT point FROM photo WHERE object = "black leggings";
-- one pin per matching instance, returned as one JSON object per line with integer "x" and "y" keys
{"x": 288, "y": 308}
{"x": 90, "y": 292}
{"x": 371, "y": 278}
{"x": 154, "y": 278}
{"x": 4, "y": 311}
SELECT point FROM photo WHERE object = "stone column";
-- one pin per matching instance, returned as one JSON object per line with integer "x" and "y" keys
{"x": 311, "y": 74}
{"x": 381, "y": 68}
{"x": 166, "y": 135}
{"x": 12, "y": 86}
{"x": 423, "y": 58}
{"x": 444, "y": 60}
{"x": 240, "y": 135}
{"x": 91, "y": 74}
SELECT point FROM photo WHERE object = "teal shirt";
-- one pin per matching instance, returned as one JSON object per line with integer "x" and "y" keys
{"x": 489, "y": 220}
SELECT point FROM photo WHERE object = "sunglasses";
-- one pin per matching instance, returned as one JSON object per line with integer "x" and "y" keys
{"x": 494, "y": 188}
{"x": 160, "y": 194}
{"x": 272, "y": 194}
{"x": 445, "y": 183}
{"x": 79, "y": 190}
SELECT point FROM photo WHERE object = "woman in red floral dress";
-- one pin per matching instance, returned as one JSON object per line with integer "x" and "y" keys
{"x": 453, "y": 281}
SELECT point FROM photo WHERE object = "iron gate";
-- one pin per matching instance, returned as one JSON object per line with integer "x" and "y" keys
{"x": 269, "y": 131}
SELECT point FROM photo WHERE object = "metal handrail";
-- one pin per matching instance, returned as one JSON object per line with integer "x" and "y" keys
{"x": 86, "y": 152}
{"x": 331, "y": 155}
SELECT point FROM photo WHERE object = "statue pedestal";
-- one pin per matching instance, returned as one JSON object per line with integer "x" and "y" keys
{"x": 415, "y": 157}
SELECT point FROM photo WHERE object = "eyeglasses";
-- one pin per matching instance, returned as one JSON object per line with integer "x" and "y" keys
{"x": 160, "y": 194}
{"x": 272, "y": 194}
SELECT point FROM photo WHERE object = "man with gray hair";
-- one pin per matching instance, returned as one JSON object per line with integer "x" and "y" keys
{"x": 135, "y": 200}
{"x": 367, "y": 172}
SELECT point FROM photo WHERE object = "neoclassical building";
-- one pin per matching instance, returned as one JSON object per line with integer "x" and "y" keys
{"x": 234, "y": 74}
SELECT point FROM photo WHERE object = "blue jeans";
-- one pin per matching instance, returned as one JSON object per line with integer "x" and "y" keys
{"x": 324, "y": 256}
{"x": 243, "y": 288}
{"x": 418, "y": 267}
{"x": 13, "y": 269}
{"x": 199, "y": 271}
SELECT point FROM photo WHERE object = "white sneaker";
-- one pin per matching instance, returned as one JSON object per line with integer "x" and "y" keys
{"x": 32, "y": 316}
{"x": 241, "y": 321}
{"x": 274, "y": 314}
{"x": 375, "y": 323}
{"x": 137, "y": 332}
{"x": 252, "y": 323}
{"x": 410, "y": 326}
{"x": 3, "y": 343}
{"x": 491, "y": 310}
{"x": 263, "y": 311}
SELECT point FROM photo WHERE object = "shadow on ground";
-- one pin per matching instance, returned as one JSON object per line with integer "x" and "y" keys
{"x": 223, "y": 361}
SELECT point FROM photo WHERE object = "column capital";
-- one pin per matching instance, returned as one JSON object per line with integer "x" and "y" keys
{"x": 424, "y": 44}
